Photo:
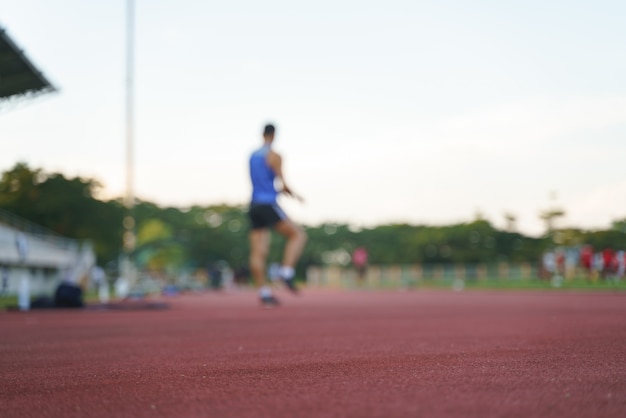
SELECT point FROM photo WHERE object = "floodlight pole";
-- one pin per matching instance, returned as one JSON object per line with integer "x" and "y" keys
{"x": 129, "y": 201}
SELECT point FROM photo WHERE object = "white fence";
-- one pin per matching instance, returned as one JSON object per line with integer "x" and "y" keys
{"x": 411, "y": 275}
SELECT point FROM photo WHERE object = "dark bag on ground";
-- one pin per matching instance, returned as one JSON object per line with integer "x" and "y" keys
{"x": 68, "y": 295}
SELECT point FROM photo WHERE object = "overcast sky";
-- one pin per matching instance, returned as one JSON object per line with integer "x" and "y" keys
{"x": 395, "y": 111}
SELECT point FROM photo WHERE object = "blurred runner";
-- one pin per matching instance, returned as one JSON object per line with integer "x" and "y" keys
{"x": 265, "y": 214}
{"x": 359, "y": 260}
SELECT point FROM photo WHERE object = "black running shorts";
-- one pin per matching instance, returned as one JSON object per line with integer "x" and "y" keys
{"x": 265, "y": 216}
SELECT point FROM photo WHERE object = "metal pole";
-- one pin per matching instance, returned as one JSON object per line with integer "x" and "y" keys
{"x": 129, "y": 201}
{"x": 129, "y": 103}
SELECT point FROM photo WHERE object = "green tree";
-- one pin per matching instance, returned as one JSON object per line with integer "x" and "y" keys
{"x": 64, "y": 205}
{"x": 170, "y": 237}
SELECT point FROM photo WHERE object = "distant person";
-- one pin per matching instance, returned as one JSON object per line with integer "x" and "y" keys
{"x": 621, "y": 264}
{"x": 265, "y": 214}
{"x": 609, "y": 263}
{"x": 586, "y": 260}
{"x": 597, "y": 266}
{"x": 215, "y": 276}
{"x": 559, "y": 257}
{"x": 242, "y": 275}
{"x": 571, "y": 261}
{"x": 359, "y": 261}
{"x": 549, "y": 265}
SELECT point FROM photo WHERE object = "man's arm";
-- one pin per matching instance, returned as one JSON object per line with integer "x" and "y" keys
{"x": 276, "y": 164}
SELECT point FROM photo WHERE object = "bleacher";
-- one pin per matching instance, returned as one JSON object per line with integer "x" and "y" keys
{"x": 49, "y": 257}
{"x": 41, "y": 252}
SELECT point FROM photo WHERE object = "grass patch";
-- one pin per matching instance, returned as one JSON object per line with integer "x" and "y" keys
{"x": 6, "y": 301}
{"x": 10, "y": 301}
{"x": 535, "y": 284}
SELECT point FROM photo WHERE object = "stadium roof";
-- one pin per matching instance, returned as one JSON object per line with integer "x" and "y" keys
{"x": 19, "y": 78}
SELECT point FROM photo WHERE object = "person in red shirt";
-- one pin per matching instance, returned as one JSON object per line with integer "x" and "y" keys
{"x": 586, "y": 260}
{"x": 621, "y": 264}
{"x": 610, "y": 263}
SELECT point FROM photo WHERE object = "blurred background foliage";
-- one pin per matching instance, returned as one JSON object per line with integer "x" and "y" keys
{"x": 174, "y": 238}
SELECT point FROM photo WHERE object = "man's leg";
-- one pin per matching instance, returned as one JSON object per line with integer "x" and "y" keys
{"x": 259, "y": 249}
{"x": 296, "y": 239}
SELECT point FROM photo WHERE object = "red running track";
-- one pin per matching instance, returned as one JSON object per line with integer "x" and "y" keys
{"x": 323, "y": 354}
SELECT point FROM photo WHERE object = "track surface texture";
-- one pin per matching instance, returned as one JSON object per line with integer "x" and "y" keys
{"x": 323, "y": 354}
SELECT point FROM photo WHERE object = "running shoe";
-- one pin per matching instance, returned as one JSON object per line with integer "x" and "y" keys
{"x": 269, "y": 301}
{"x": 291, "y": 285}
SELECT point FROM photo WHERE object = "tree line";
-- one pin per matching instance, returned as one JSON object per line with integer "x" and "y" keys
{"x": 170, "y": 238}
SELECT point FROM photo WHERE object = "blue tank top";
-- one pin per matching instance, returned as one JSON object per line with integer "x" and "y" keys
{"x": 262, "y": 176}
